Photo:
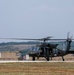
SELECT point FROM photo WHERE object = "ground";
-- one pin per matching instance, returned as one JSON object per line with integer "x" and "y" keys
{"x": 37, "y": 68}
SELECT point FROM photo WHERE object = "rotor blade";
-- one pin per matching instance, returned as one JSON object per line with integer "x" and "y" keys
{"x": 29, "y": 39}
{"x": 68, "y": 34}
{"x": 47, "y": 38}
{"x": 71, "y": 37}
{"x": 56, "y": 39}
{"x": 19, "y": 39}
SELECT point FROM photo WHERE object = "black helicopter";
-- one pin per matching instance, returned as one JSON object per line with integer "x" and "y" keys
{"x": 47, "y": 49}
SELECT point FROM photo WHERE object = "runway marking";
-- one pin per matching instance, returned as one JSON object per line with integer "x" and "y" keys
{"x": 12, "y": 61}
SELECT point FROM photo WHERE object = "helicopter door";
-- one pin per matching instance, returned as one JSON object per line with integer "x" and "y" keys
{"x": 55, "y": 52}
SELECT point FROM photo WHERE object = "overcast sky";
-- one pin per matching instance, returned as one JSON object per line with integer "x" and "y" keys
{"x": 36, "y": 18}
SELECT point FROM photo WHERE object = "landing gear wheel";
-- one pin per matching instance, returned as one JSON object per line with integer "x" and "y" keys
{"x": 33, "y": 58}
{"x": 63, "y": 58}
{"x": 47, "y": 58}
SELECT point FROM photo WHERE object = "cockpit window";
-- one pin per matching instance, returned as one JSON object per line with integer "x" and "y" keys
{"x": 34, "y": 48}
{"x": 37, "y": 48}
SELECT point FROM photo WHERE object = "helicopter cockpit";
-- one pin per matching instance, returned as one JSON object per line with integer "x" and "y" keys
{"x": 34, "y": 49}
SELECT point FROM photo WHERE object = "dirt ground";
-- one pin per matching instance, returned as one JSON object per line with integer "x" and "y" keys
{"x": 37, "y": 68}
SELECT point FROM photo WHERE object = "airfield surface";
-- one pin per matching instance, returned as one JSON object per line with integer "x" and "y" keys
{"x": 37, "y": 68}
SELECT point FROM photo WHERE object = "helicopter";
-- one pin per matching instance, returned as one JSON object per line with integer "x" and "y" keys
{"x": 48, "y": 50}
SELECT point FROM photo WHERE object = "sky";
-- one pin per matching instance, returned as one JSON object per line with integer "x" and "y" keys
{"x": 36, "y": 18}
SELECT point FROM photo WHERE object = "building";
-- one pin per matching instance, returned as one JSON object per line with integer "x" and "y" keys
{"x": 9, "y": 55}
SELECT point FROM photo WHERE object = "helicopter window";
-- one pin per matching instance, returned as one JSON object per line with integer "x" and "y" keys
{"x": 37, "y": 49}
{"x": 34, "y": 48}
{"x": 55, "y": 51}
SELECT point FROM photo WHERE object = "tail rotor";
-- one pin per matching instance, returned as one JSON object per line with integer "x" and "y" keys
{"x": 69, "y": 38}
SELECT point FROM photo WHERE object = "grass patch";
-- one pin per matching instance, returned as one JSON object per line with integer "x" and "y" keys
{"x": 37, "y": 68}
